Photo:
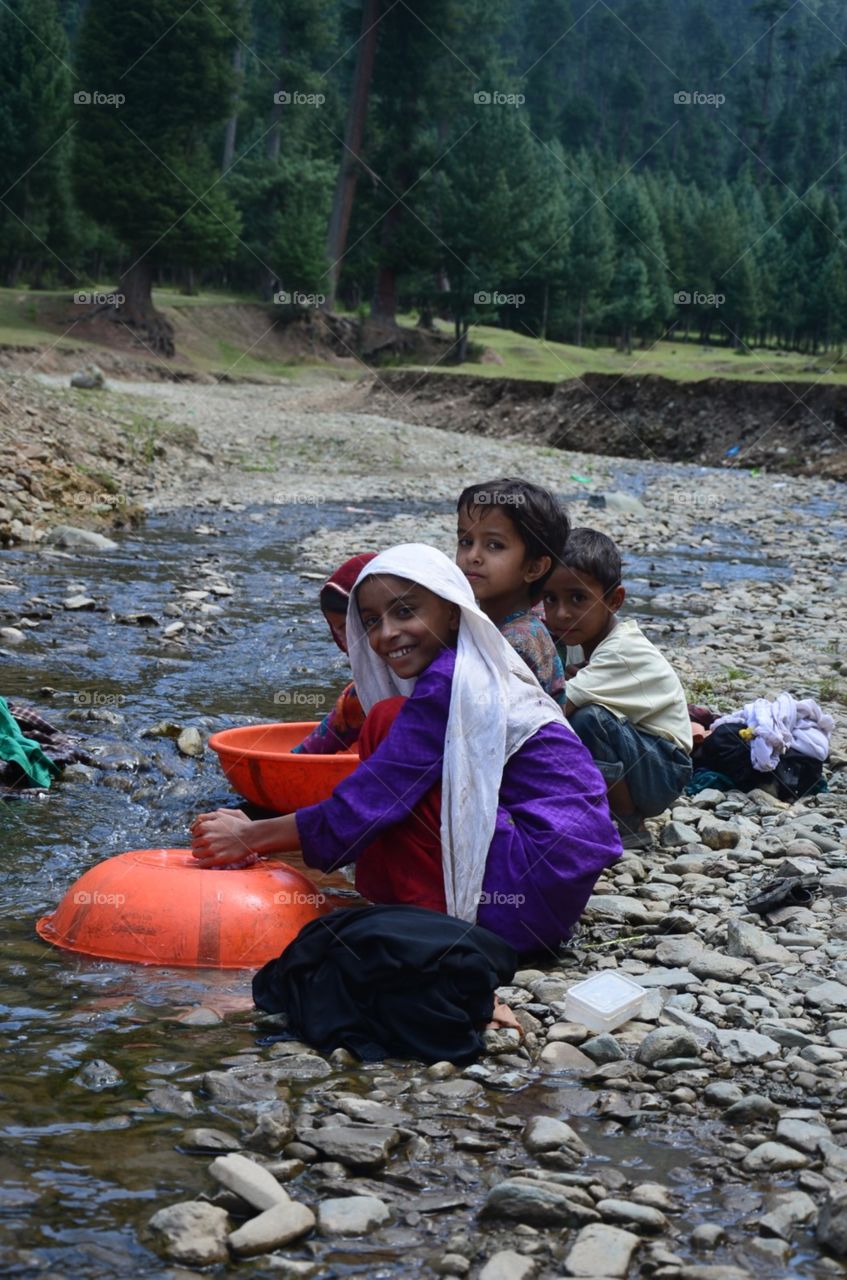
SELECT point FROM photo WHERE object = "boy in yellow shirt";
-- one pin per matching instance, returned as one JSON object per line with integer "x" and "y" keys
{"x": 625, "y": 702}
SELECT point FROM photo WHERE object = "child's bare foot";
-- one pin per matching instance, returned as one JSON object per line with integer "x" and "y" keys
{"x": 213, "y": 1011}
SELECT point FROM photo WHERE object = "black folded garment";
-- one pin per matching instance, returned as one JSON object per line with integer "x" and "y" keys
{"x": 389, "y": 981}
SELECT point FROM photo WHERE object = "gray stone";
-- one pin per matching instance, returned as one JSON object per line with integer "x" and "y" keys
{"x": 805, "y": 1135}
{"x": 707, "y": 1237}
{"x": 600, "y": 1250}
{"x": 208, "y": 1141}
{"x": 832, "y": 1222}
{"x": 190, "y": 743}
{"x": 275, "y": 1227}
{"x": 643, "y": 1218}
{"x": 227, "y": 1087}
{"x": 603, "y": 1048}
{"x": 558, "y": 1055}
{"x": 191, "y": 1232}
{"x": 73, "y": 539}
{"x": 718, "y": 835}
{"x": 360, "y": 1146}
{"x": 351, "y": 1215}
{"x": 544, "y": 1133}
{"x": 705, "y": 1271}
{"x": 508, "y": 1265}
{"x": 249, "y": 1180}
{"x": 748, "y": 940}
{"x": 367, "y": 1111}
{"x": 541, "y": 1204}
{"x": 301, "y": 1066}
{"x": 274, "y": 1129}
{"x": 788, "y": 1210}
{"x": 720, "y": 967}
{"x": 614, "y": 906}
{"x": 675, "y": 978}
{"x": 753, "y": 1109}
{"x": 723, "y": 1093}
{"x": 173, "y": 1101}
{"x": 666, "y": 1042}
{"x": 773, "y": 1157}
{"x": 678, "y": 833}
{"x": 98, "y": 1075}
{"x": 455, "y": 1090}
{"x": 829, "y": 994}
{"x": 90, "y": 378}
{"x": 79, "y": 601}
{"x": 678, "y": 951}
{"x": 746, "y": 1046}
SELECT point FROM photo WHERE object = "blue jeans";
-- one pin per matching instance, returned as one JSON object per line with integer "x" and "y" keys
{"x": 655, "y": 770}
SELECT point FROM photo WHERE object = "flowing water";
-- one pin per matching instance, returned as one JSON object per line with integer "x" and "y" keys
{"x": 82, "y": 1171}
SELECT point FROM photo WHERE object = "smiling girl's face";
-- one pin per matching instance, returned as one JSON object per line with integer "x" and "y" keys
{"x": 406, "y": 624}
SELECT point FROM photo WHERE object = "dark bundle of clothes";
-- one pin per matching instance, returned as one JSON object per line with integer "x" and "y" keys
{"x": 32, "y": 751}
{"x": 781, "y": 742}
{"x": 389, "y": 981}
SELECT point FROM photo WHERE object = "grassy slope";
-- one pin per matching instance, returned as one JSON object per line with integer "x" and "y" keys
{"x": 228, "y": 343}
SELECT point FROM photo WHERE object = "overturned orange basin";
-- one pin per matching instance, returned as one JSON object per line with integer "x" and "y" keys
{"x": 157, "y": 906}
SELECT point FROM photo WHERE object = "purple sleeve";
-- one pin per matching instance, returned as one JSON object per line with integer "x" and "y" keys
{"x": 550, "y": 842}
{"x": 383, "y": 789}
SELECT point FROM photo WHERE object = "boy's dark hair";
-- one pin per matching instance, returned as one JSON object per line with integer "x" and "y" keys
{"x": 539, "y": 517}
{"x": 591, "y": 552}
{"x": 333, "y": 601}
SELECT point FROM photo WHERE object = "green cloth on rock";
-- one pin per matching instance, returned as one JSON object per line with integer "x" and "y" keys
{"x": 26, "y": 754}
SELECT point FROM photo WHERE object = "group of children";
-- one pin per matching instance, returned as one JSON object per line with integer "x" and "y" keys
{"x": 513, "y": 732}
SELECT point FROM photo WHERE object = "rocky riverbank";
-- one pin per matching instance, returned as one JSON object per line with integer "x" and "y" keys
{"x": 704, "y": 1140}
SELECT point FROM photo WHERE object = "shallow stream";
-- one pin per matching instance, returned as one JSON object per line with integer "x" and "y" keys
{"x": 82, "y": 1171}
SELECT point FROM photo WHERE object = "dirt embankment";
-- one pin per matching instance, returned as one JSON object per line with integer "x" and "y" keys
{"x": 792, "y": 427}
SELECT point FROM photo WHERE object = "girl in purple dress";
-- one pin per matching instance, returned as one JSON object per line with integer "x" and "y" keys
{"x": 474, "y": 796}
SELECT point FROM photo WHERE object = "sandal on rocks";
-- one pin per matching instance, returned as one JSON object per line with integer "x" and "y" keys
{"x": 787, "y": 891}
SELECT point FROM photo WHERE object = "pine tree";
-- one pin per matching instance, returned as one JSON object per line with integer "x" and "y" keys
{"x": 35, "y": 104}
{"x": 144, "y": 167}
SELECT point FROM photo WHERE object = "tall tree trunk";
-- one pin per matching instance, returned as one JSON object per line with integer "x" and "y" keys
{"x": 232, "y": 123}
{"x": 137, "y": 310}
{"x": 274, "y": 136}
{"x": 348, "y": 171}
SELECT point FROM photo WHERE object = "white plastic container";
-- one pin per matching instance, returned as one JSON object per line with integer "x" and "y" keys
{"x": 604, "y": 1001}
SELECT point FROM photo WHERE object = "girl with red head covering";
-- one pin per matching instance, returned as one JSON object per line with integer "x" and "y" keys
{"x": 339, "y": 730}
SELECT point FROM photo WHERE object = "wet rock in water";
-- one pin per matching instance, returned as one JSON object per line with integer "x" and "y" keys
{"x": 544, "y": 1133}
{"x": 368, "y": 1111}
{"x": 600, "y": 1250}
{"x": 561, "y": 1056}
{"x": 666, "y": 1042}
{"x": 642, "y": 1218}
{"x": 79, "y": 601}
{"x": 89, "y": 378}
{"x": 277, "y": 1226}
{"x": 455, "y": 1090}
{"x": 97, "y": 1075}
{"x": 274, "y": 1129}
{"x": 773, "y": 1157}
{"x": 509, "y": 1265}
{"x": 12, "y": 635}
{"x": 72, "y": 539}
{"x": 226, "y": 1086}
{"x": 190, "y": 743}
{"x": 191, "y": 1232}
{"x": 832, "y": 1223}
{"x": 170, "y": 1099}
{"x": 249, "y": 1180}
{"x": 359, "y": 1146}
{"x": 723, "y": 1093}
{"x": 352, "y": 1215}
{"x": 301, "y": 1066}
{"x": 541, "y": 1204}
{"x": 788, "y": 1211}
{"x": 707, "y": 1237}
{"x": 208, "y": 1141}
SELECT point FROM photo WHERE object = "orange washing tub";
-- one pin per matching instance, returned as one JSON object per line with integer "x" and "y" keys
{"x": 156, "y": 906}
{"x": 258, "y": 763}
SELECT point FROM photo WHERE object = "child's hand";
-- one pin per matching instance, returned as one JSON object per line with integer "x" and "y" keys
{"x": 220, "y": 839}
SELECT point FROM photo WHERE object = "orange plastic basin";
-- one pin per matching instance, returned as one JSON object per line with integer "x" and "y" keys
{"x": 258, "y": 762}
{"x": 156, "y": 906}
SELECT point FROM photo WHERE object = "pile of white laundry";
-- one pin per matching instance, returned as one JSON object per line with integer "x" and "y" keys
{"x": 775, "y": 727}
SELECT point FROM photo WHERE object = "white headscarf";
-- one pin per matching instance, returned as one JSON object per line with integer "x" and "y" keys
{"x": 496, "y": 704}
